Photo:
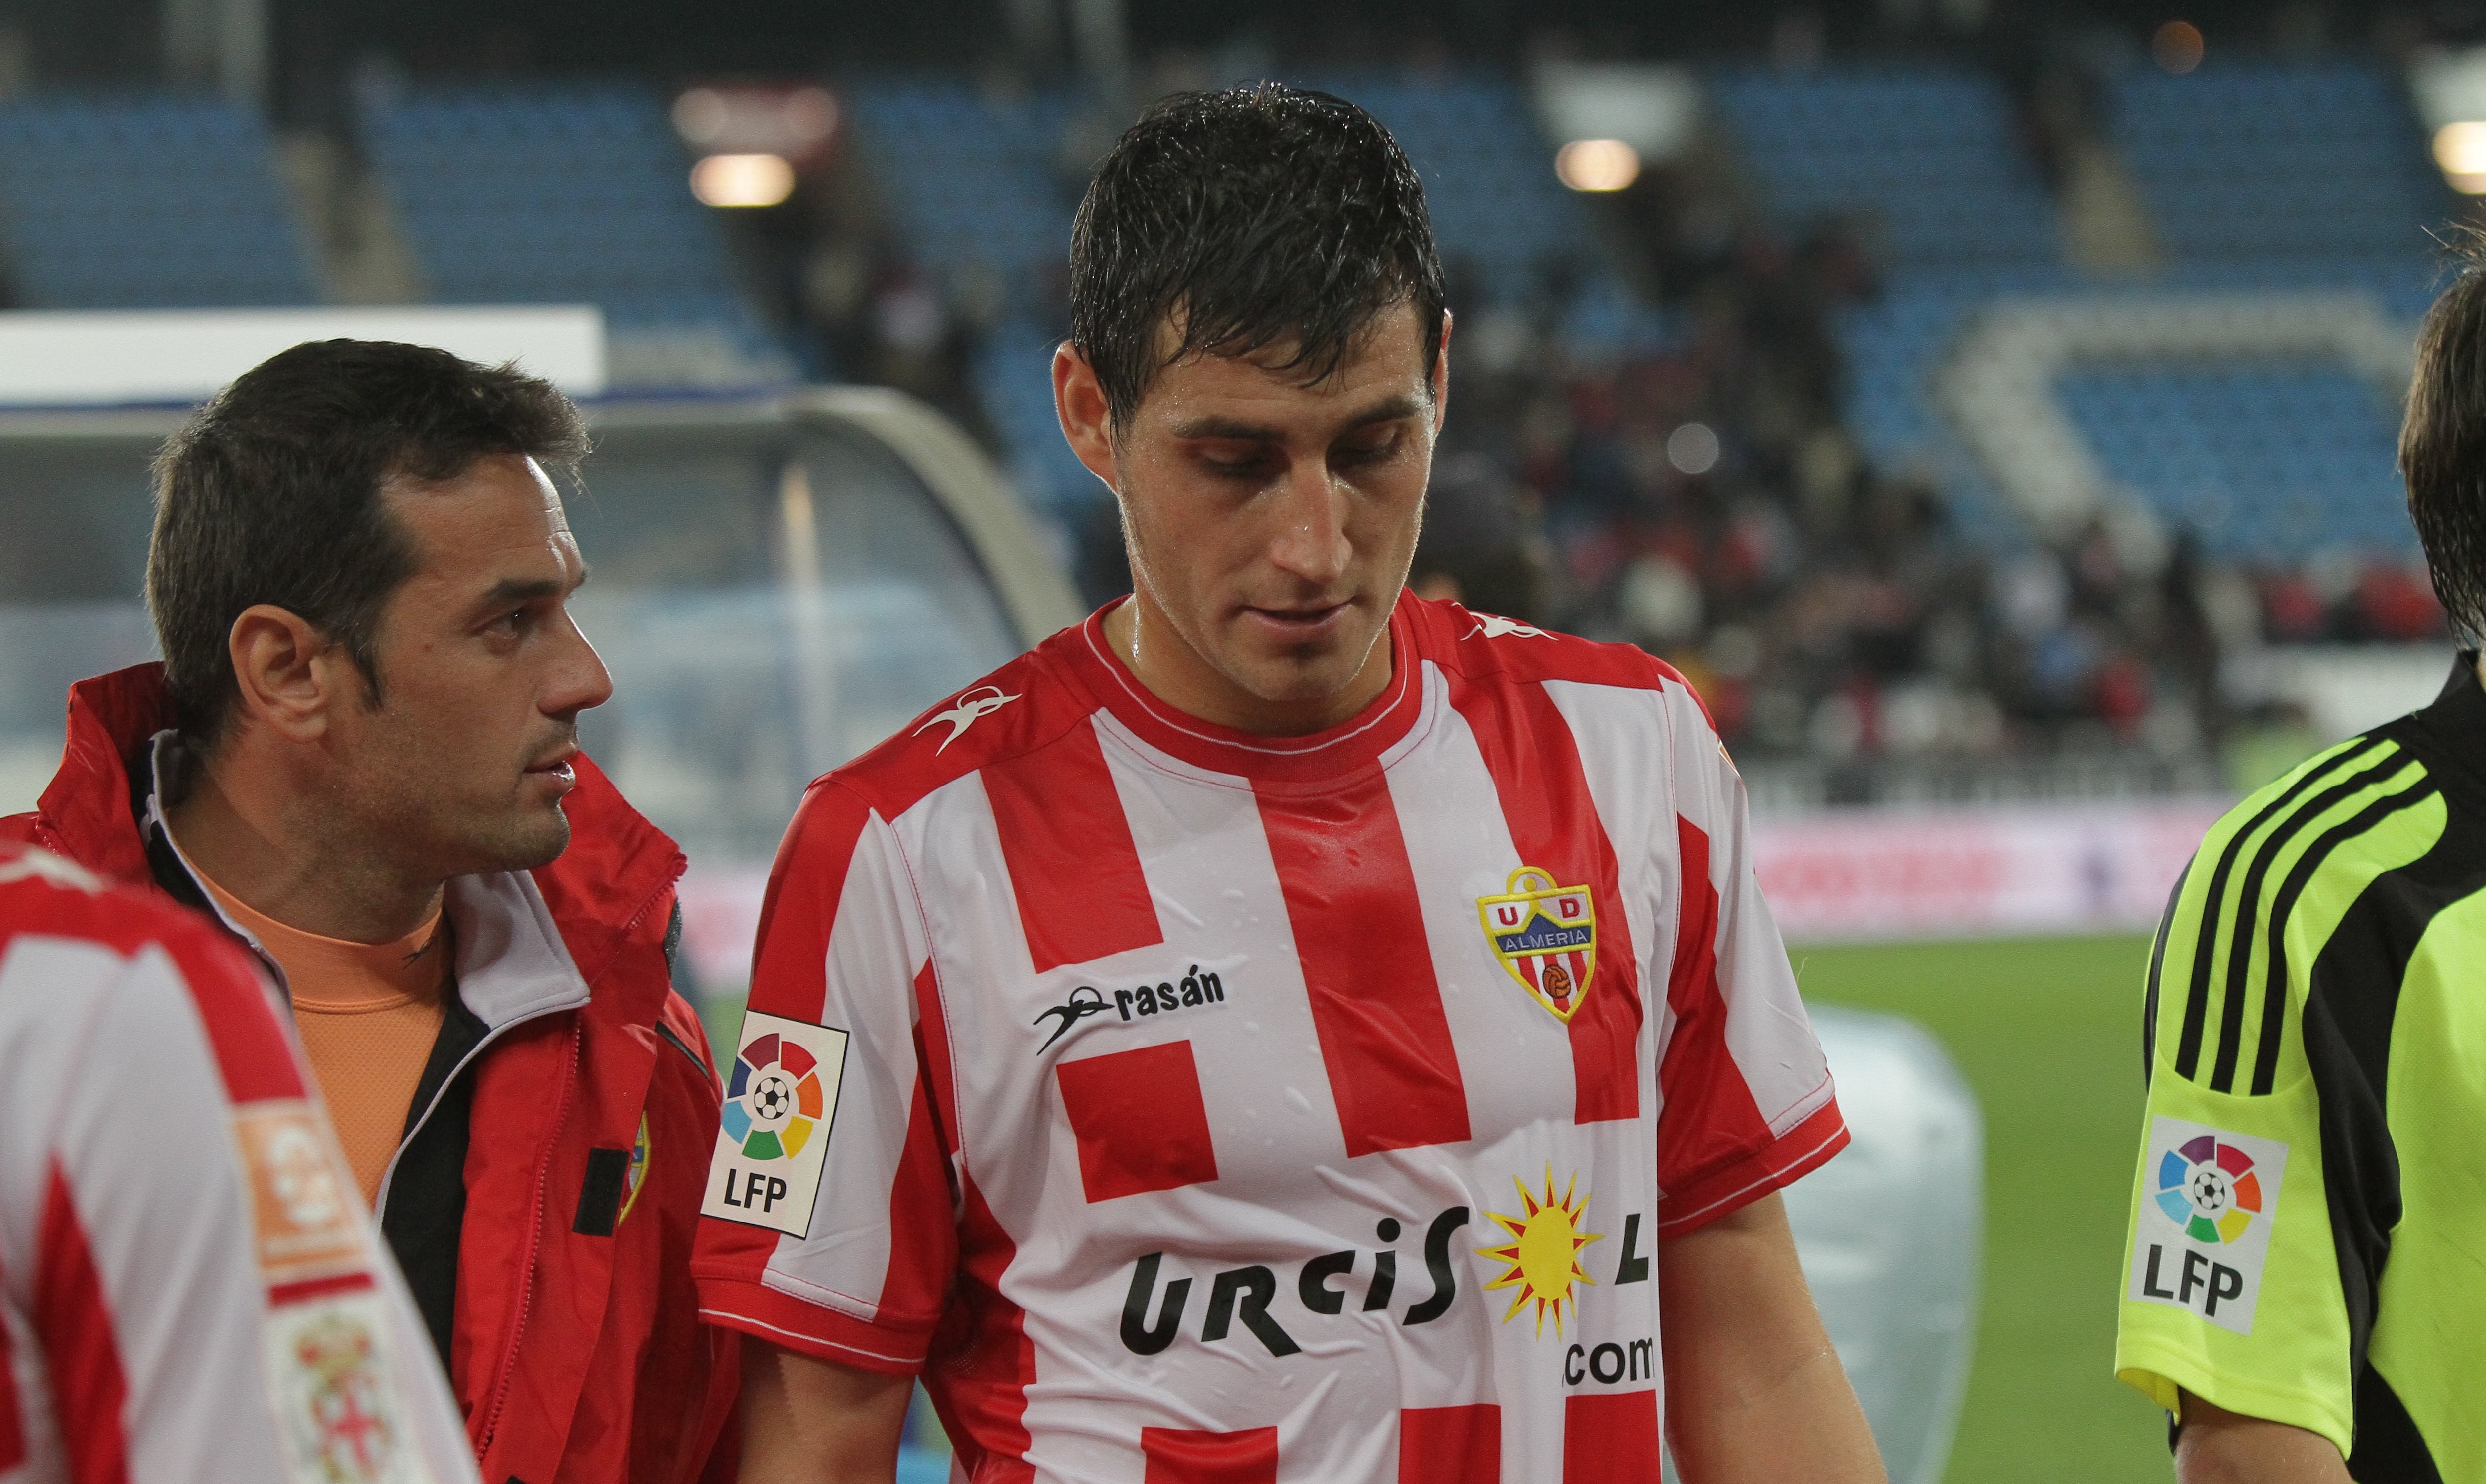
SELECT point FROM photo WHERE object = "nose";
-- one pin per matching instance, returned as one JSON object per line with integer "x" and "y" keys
{"x": 578, "y": 682}
{"x": 1310, "y": 510}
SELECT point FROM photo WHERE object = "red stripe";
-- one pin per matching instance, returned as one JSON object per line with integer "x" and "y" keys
{"x": 932, "y": 1053}
{"x": 1181, "y": 1456}
{"x": 13, "y": 1416}
{"x": 1072, "y": 863}
{"x": 1797, "y": 1153}
{"x": 1610, "y": 1437}
{"x": 790, "y": 970}
{"x": 1138, "y": 1118}
{"x": 982, "y": 1360}
{"x": 1450, "y": 1446}
{"x": 1708, "y": 1120}
{"x": 1367, "y": 967}
{"x": 74, "y": 1323}
{"x": 1528, "y": 749}
{"x": 309, "y": 1288}
{"x": 924, "y": 1250}
{"x": 250, "y": 1048}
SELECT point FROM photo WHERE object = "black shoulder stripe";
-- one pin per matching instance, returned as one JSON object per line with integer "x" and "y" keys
{"x": 2273, "y": 995}
{"x": 2196, "y": 1003}
{"x": 2232, "y": 1007}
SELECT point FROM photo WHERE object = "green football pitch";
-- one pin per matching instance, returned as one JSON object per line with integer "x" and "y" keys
{"x": 2048, "y": 1032}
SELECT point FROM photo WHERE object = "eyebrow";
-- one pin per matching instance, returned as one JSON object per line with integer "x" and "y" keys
{"x": 1212, "y": 425}
{"x": 527, "y": 589}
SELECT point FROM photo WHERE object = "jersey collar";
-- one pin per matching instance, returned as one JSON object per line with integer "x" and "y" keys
{"x": 1336, "y": 752}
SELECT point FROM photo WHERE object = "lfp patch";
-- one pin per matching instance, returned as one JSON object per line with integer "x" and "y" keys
{"x": 773, "y": 1130}
{"x": 2208, "y": 1199}
{"x": 1546, "y": 935}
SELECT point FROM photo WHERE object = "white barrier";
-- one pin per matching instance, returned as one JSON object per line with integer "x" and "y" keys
{"x": 1977, "y": 872}
{"x": 1841, "y": 874}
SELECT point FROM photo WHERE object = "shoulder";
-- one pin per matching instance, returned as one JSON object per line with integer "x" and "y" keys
{"x": 2368, "y": 805}
{"x": 135, "y": 943}
{"x": 1491, "y": 657}
{"x": 1018, "y": 709}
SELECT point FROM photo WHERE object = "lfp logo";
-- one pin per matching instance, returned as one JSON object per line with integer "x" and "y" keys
{"x": 773, "y": 1099}
{"x": 773, "y": 1132}
{"x": 2209, "y": 1189}
{"x": 2208, "y": 1199}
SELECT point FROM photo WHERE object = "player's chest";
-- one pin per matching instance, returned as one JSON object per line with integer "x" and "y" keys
{"x": 1330, "y": 978}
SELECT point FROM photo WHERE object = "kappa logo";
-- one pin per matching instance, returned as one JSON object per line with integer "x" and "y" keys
{"x": 305, "y": 1212}
{"x": 965, "y": 712}
{"x": 1196, "y": 989}
{"x": 2209, "y": 1197}
{"x": 1495, "y": 626}
{"x": 772, "y": 1134}
{"x": 1546, "y": 936}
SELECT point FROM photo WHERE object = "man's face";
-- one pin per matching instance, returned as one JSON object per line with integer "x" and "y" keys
{"x": 1271, "y": 523}
{"x": 463, "y": 764}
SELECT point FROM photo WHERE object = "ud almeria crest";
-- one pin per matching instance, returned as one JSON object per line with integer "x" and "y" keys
{"x": 1546, "y": 935}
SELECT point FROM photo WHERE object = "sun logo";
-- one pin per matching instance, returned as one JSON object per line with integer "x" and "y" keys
{"x": 1544, "y": 1250}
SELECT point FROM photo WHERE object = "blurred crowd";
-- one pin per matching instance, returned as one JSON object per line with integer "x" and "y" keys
{"x": 1682, "y": 480}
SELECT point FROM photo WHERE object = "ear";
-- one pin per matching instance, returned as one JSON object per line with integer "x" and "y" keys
{"x": 1442, "y": 376}
{"x": 1087, "y": 422}
{"x": 290, "y": 675}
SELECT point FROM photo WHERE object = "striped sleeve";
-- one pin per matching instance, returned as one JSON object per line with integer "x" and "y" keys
{"x": 1747, "y": 1106}
{"x": 186, "y": 1259}
{"x": 835, "y": 1238}
{"x": 2255, "y": 1219}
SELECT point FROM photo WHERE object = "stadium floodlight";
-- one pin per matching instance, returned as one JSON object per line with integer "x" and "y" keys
{"x": 2178, "y": 47}
{"x": 2460, "y": 149}
{"x": 742, "y": 180}
{"x": 1596, "y": 164}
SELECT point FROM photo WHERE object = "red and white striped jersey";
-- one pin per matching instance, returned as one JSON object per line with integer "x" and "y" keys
{"x": 189, "y": 1288}
{"x": 1191, "y": 1104}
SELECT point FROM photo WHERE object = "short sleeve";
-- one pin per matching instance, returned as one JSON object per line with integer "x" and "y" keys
{"x": 1746, "y": 1100}
{"x": 829, "y": 1225}
{"x": 2254, "y": 1234}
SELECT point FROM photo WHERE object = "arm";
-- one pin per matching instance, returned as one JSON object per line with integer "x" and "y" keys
{"x": 806, "y": 1421}
{"x": 2219, "y": 1447}
{"x": 1754, "y": 1392}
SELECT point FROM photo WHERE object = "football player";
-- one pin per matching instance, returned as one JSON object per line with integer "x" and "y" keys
{"x": 1281, "y": 1026}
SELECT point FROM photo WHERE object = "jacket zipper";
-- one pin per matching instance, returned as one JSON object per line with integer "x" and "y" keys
{"x": 509, "y": 1368}
{"x": 535, "y": 1244}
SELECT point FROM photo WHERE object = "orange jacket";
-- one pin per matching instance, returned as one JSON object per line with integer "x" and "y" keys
{"x": 576, "y": 1351}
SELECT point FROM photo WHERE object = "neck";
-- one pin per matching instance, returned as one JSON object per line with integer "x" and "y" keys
{"x": 1145, "y": 639}
{"x": 280, "y": 851}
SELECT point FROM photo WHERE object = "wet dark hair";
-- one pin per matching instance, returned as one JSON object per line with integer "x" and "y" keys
{"x": 272, "y": 494}
{"x": 1248, "y": 217}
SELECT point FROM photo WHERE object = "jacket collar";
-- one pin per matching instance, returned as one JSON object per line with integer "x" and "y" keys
{"x": 528, "y": 942}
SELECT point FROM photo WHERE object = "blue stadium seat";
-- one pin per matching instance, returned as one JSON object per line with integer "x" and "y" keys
{"x": 2262, "y": 159}
{"x": 2267, "y": 462}
{"x": 145, "y": 202}
{"x": 566, "y": 195}
{"x": 1922, "y": 155}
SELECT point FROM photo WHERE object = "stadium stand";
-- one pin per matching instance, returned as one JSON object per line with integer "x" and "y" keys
{"x": 546, "y": 195}
{"x": 1923, "y": 155}
{"x": 145, "y": 202}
